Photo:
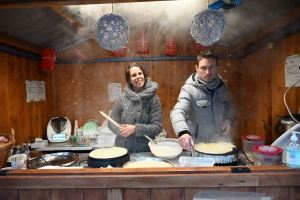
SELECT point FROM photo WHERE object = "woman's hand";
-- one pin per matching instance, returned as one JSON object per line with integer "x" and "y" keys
{"x": 127, "y": 129}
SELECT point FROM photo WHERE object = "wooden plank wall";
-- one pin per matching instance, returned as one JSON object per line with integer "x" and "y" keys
{"x": 25, "y": 118}
{"x": 252, "y": 94}
{"x": 83, "y": 97}
{"x": 281, "y": 50}
{"x": 261, "y": 87}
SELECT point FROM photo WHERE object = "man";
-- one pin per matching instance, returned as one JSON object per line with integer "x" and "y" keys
{"x": 204, "y": 111}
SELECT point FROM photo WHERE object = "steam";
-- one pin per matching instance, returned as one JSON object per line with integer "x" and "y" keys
{"x": 178, "y": 14}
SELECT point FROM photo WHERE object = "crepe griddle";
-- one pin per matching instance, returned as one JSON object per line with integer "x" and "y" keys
{"x": 105, "y": 162}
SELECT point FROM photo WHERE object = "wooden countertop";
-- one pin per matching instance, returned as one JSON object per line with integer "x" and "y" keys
{"x": 149, "y": 177}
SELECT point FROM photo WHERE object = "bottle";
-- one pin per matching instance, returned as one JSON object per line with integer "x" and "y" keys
{"x": 293, "y": 151}
{"x": 80, "y": 138}
{"x": 76, "y": 129}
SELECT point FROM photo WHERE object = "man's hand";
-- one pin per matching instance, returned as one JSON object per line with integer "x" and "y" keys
{"x": 127, "y": 129}
{"x": 227, "y": 126}
{"x": 186, "y": 142}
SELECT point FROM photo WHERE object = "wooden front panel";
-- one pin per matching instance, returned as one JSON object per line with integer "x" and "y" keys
{"x": 93, "y": 193}
{"x": 136, "y": 194}
{"x": 67, "y": 194}
{"x": 294, "y": 192}
{"x": 285, "y": 192}
{"x": 146, "y": 183}
{"x": 30, "y": 194}
{"x": 9, "y": 194}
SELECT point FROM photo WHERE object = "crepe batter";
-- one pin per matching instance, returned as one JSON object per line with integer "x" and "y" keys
{"x": 214, "y": 148}
{"x": 148, "y": 163}
{"x": 112, "y": 152}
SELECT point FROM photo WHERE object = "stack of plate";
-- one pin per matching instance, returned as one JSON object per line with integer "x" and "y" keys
{"x": 90, "y": 128}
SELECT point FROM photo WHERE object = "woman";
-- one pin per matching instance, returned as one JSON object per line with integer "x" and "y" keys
{"x": 138, "y": 110}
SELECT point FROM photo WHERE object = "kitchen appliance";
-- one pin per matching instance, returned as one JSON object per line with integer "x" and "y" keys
{"x": 105, "y": 157}
{"x": 222, "y": 159}
{"x": 105, "y": 162}
{"x": 287, "y": 122}
{"x": 59, "y": 129}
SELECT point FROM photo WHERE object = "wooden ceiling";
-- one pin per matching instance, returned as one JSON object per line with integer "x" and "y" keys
{"x": 259, "y": 30}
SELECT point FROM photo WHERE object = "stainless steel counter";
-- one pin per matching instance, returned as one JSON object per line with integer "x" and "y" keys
{"x": 83, "y": 157}
{"x": 84, "y": 151}
{"x": 64, "y": 146}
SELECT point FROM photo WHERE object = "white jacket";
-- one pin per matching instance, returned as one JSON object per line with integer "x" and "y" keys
{"x": 200, "y": 112}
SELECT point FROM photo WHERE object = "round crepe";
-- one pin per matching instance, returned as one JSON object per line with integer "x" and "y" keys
{"x": 148, "y": 163}
{"x": 214, "y": 148}
{"x": 112, "y": 152}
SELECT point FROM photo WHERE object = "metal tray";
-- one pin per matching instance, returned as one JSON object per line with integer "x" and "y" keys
{"x": 147, "y": 159}
{"x": 63, "y": 159}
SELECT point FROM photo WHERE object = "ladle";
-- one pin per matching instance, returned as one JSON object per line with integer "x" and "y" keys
{"x": 150, "y": 139}
{"x": 193, "y": 152}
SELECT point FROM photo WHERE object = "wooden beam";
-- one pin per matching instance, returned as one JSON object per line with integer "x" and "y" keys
{"x": 268, "y": 30}
{"x": 40, "y": 3}
{"x": 75, "y": 23}
{"x": 8, "y": 40}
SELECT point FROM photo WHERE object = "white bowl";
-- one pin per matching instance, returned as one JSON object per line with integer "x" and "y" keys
{"x": 167, "y": 148}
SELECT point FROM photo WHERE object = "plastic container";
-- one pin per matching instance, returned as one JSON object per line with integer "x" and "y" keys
{"x": 104, "y": 138}
{"x": 293, "y": 151}
{"x": 267, "y": 155}
{"x": 249, "y": 141}
{"x": 186, "y": 161}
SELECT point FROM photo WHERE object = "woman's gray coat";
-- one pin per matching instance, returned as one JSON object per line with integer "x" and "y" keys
{"x": 141, "y": 109}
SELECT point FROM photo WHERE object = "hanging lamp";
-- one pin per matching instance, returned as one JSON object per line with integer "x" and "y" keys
{"x": 113, "y": 31}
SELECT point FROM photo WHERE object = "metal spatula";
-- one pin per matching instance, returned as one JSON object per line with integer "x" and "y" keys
{"x": 150, "y": 139}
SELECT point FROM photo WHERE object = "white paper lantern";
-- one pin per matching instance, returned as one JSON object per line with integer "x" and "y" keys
{"x": 208, "y": 26}
{"x": 113, "y": 32}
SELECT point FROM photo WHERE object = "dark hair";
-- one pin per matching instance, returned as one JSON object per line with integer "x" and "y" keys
{"x": 207, "y": 54}
{"x": 142, "y": 67}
